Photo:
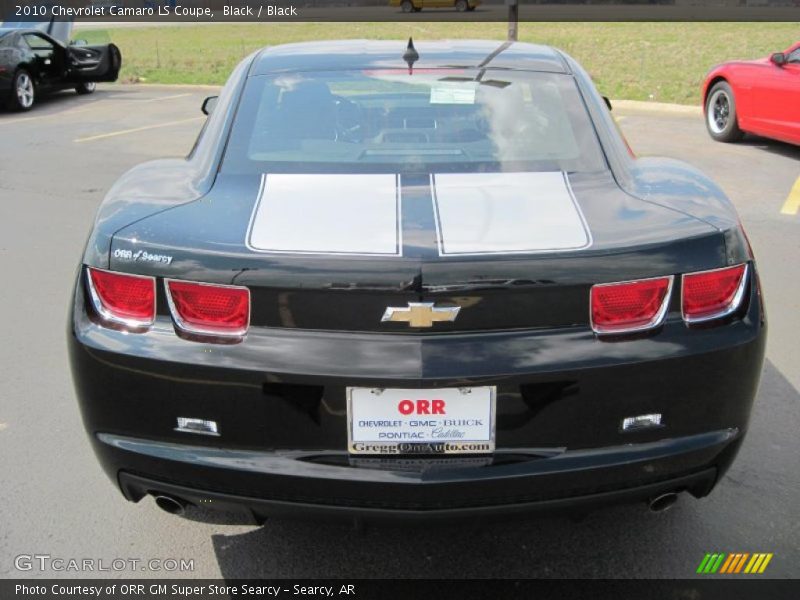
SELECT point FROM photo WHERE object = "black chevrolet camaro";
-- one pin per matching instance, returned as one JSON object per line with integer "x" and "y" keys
{"x": 414, "y": 282}
{"x": 40, "y": 58}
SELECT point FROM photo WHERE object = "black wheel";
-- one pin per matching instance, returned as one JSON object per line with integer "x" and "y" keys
{"x": 461, "y": 5}
{"x": 23, "y": 91}
{"x": 86, "y": 87}
{"x": 721, "y": 119}
{"x": 406, "y": 6}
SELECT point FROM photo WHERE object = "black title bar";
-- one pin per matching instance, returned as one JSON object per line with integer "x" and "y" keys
{"x": 207, "y": 589}
{"x": 266, "y": 11}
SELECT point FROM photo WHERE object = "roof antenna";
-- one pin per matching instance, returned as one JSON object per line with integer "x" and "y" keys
{"x": 410, "y": 56}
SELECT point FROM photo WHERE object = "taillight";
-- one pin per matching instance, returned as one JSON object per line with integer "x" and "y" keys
{"x": 209, "y": 309}
{"x": 630, "y": 306}
{"x": 121, "y": 298}
{"x": 712, "y": 294}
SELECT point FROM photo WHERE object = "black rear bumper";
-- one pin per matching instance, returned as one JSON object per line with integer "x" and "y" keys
{"x": 332, "y": 484}
{"x": 257, "y": 510}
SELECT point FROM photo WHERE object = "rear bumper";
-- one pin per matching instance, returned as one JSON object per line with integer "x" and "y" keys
{"x": 257, "y": 510}
{"x": 331, "y": 484}
{"x": 279, "y": 400}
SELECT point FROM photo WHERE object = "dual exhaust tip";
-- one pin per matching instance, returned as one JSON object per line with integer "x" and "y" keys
{"x": 170, "y": 504}
{"x": 662, "y": 502}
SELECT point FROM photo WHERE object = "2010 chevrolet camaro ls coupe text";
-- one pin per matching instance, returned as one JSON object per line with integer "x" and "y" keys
{"x": 424, "y": 281}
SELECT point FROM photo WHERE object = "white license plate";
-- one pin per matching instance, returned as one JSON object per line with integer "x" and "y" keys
{"x": 421, "y": 421}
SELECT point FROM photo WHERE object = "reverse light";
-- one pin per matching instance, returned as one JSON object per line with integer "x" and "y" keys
{"x": 209, "y": 309}
{"x": 638, "y": 422}
{"x": 630, "y": 305}
{"x": 201, "y": 426}
{"x": 712, "y": 294}
{"x": 122, "y": 298}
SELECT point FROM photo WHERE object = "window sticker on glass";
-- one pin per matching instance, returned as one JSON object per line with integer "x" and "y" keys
{"x": 454, "y": 93}
{"x": 526, "y": 94}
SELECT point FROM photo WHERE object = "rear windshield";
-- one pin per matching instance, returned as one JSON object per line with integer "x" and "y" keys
{"x": 431, "y": 121}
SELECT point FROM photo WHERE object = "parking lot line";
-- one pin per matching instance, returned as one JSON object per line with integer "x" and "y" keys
{"x": 160, "y": 98}
{"x": 12, "y": 121}
{"x": 83, "y": 107}
{"x": 792, "y": 204}
{"x": 103, "y": 136}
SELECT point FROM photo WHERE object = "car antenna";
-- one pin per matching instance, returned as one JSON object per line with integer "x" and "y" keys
{"x": 410, "y": 56}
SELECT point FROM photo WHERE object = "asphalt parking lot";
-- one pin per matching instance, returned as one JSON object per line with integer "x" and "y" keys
{"x": 56, "y": 163}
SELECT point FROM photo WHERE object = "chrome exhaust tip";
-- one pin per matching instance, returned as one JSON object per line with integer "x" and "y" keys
{"x": 662, "y": 502}
{"x": 170, "y": 504}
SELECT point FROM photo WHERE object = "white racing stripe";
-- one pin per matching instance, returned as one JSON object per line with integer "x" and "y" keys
{"x": 360, "y": 214}
{"x": 507, "y": 213}
{"x": 327, "y": 214}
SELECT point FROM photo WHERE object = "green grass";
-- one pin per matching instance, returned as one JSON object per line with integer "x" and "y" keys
{"x": 663, "y": 62}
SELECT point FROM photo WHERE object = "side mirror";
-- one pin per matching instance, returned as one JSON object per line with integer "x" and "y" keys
{"x": 779, "y": 59}
{"x": 79, "y": 43}
{"x": 209, "y": 104}
{"x": 607, "y": 101}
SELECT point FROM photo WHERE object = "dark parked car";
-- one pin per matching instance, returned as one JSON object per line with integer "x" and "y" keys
{"x": 414, "y": 283}
{"x": 34, "y": 62}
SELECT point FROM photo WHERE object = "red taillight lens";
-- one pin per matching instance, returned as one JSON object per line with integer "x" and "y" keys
{"x": 124, "y": 299}
{"x": 712, "y": 294}
{"x": 629, "y": 306}
{"x": 209, "y": 309}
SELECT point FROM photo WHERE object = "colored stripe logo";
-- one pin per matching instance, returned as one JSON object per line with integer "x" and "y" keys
{"x": 736, "y": 562}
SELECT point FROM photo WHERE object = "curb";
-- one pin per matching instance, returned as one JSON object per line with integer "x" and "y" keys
{"x": 632, "y": 105}
{"x": 173, "y": 86}
{"x": 658, "y": 107}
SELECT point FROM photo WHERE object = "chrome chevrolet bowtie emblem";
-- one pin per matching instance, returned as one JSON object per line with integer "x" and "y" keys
{"x": 420, "y": 314}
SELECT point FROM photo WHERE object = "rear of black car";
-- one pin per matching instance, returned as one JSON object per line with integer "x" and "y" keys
{"x": 279, "y": 400}
{"x": 283, "y": 345}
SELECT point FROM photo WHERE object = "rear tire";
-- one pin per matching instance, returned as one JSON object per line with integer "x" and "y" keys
{"x": 86, "y": 87}
{"x": 461, "y": 5}
{"x": 23, "y": 91}
{"x": 721, "y": 119}
{"x": 406, "y": 6}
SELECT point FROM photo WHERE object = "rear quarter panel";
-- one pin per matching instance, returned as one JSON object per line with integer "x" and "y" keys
{"x": 666, "y": 182}
{"x": 159, "y": 185}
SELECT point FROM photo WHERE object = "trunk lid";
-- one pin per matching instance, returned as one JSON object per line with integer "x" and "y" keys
{"x": 333, "y": 252}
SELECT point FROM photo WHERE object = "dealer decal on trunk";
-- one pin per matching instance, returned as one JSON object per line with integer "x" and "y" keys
{"x": 142, "y": 256}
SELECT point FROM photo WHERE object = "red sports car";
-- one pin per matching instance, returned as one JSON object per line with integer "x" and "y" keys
{"x": 755, "y": 96}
